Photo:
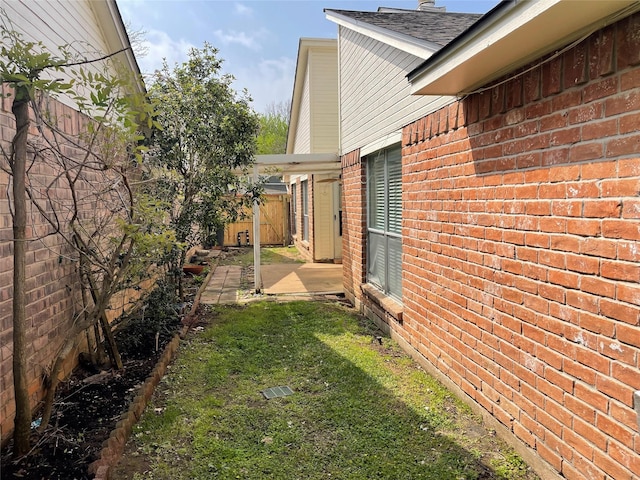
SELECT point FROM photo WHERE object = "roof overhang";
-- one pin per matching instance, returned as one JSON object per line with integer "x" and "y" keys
{"x": 304, "y": 46}
{"x": 406, "y": 43}
{"x": 115, "y": 34}
{"x": 299, "y": 163}
{"x": 513, "y": 34}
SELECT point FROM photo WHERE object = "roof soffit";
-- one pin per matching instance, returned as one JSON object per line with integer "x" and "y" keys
{"x": 510, "y": 36}
{"x": 115, "y": 34}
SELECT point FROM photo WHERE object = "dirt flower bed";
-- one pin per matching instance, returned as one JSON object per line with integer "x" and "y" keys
{"x": 85, "y": 415}
{"x": 90, "y": 403}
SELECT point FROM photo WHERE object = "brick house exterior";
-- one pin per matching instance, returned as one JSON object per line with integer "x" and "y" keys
{"x": 520, "y": 253}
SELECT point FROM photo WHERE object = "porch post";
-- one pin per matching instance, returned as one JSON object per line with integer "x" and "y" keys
{"x": 256, "y": 238}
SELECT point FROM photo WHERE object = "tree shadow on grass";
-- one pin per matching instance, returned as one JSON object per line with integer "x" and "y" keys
{"x": 345, "y": 420}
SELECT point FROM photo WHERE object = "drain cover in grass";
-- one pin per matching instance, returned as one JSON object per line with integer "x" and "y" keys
{"x": 275, "y": 392}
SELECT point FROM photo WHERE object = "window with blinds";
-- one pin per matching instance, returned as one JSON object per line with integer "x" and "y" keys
{"x": 384, "y": 212}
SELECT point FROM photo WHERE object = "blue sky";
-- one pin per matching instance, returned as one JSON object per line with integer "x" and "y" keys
{"x": 258, "y": 40}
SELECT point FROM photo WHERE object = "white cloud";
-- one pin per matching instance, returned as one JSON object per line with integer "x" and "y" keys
{"x": 268, "y": 81}
{"x": 241, "y": 38}
{"x": 161, "y": 46}
{"x": 243, "y": 9}
{"x": 135, "y": 10}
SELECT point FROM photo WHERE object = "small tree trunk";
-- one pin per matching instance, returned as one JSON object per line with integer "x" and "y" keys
{"x": 111, "y": 341}
{"x": 106, "y": 327}
{"x": 101, "y": 355}
{"x": 54, "y": 378}
{"x": 22, "y": 420}
{"x": 91, "y": 347}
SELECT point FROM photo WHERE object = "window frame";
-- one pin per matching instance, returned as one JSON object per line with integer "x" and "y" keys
{"x": 384, "y": 221}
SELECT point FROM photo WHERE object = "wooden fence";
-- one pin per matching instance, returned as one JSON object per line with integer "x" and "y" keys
{"x": 274, "y": 224}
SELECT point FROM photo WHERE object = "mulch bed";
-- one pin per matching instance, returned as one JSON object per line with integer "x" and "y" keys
{"x": 85, "y": 415}
{"x": 87, "y": 408}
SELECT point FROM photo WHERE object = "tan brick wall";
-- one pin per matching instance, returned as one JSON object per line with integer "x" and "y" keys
{"x": 521, "y": 258}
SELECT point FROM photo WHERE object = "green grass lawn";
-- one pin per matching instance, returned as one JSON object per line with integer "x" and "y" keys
{"x": 361, "y": 408}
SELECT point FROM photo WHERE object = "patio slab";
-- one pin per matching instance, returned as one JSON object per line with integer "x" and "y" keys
{"x": 302, "y": 278}
{"x": 277, "y": 279}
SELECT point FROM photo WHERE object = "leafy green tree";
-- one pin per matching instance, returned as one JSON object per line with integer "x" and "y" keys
{"x": 204, "y": 147}
{"x": 274, "y": 126}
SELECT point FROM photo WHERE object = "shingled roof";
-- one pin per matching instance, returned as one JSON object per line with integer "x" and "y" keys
{"x": 433, "y": 26}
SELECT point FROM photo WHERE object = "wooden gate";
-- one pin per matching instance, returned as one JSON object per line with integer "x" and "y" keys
{"x": 274, "y": 224}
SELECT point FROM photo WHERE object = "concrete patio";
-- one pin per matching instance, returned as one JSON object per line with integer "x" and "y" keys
{"x": 282, "y": 279}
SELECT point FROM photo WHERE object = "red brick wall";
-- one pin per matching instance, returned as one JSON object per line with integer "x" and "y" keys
{"x": 521, "y": 250}
{"x": 354, "y": 224}
{"x": 312, "y": 235}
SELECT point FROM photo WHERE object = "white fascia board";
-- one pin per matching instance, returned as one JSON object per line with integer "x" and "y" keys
{"x": 406, "y": 43}
{"x": 492, "y": 32}
{"x": 296, "y": 95}
{"x": 112, "y": 27}
{"x": 515, "y": 36}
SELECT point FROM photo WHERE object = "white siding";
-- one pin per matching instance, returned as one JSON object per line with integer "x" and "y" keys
{"x": 324, "y": 90}
{"x": 302, "y": 143}
{"x": 375, "y": 97}
{"x": 323, "y": 219}
{"x": 60, "y": 22}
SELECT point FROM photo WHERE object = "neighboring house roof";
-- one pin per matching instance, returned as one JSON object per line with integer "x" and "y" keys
{"x": 511, "y": 35}
{"x": 420, "y": 33}
{"x": 435, "y": 27}
{"x": 297, "y": 163}
{"x": 272, "y": 188}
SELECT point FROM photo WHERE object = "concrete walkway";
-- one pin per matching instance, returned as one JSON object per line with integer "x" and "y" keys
{"x": 223, "y": 285}
{"x": 283, "y": 279}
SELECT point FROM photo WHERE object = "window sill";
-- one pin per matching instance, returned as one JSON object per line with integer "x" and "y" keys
{"x": 390, "y": 306}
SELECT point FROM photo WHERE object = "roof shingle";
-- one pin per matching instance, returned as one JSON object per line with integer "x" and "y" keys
{"x": 435, "y": 27}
